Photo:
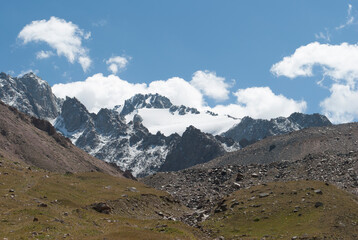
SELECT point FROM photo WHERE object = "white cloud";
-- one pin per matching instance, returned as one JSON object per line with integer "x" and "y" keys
{"x": 337, "y": 61}
{"x": 44, "y": 54}
{"x": 261, "y": 102}
{"x": 350, "y": 18}
{"x": 65, "y": 37}
{"x": 101, "y": 91}
{"x": 341, "y": 106}
{"x": 211, "y": 85}
{"x": 100, "y": 23}
{"x": 179, "y": 91}
{"x": 325, "y": 36}
{"x": 116, "y": 63}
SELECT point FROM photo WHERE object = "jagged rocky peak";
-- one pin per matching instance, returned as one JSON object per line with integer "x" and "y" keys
{"x": 182, "y": 110}
{"x": 137, "y": 119}
{"x": 139, "y": 101}
{"x": 74, "y": 114}
{"x": 251, "y": 130}
{"x": 194, "y": 147}
{"x": 107, "y": 121}
{"x": 29, "y": 94}
{"x": 312, "y": 120}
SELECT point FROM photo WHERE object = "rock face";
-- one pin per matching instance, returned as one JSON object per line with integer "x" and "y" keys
{"x": 194, "y": 147}
{"x": 131, "y": 146}
{"x": 145, "y": 101}
{"x": 29, "y": 94}
{"x": 251, "y": 130}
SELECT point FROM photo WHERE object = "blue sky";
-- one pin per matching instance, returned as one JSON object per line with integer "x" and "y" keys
{"x": 230, "y": 45}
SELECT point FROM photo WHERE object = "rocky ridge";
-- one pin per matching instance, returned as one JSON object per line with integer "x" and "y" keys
{"x": 251, "y": 130}
{"x": 30, "y": 94}
{"x": 293, "y": 146}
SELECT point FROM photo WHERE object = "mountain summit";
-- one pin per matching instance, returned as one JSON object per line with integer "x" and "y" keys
{"x": 29, "y": 94}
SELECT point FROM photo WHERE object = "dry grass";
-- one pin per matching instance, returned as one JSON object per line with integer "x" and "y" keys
{"x": 68, "y": 198}
{"x": 275, "y": 217}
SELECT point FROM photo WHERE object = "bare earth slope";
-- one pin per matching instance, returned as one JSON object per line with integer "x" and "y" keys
{"x": 35, "y": 142}
{"x": 293, "y": 146}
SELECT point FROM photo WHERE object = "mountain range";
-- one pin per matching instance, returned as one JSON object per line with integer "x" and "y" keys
{"x": 147, "y": 133}
{"x": 284, "y": 178}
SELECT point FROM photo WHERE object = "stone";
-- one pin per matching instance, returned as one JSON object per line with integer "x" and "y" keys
{"x": 254, "y": 175}
{"x": 318, "y": 191}
{"x": 262, "y": 195}
{"x": 318, "y": 204}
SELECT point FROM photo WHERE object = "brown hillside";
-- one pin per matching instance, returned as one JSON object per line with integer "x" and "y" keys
{"x": 294, "y": 146}
{"x": 36, "y": 142}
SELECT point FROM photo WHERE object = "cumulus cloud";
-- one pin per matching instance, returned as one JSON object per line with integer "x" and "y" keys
{"x": 261, "y": 102}
{"x": 116, "y": 63}
{"x": 44, "y": 54}
{"x": 99, "y": 91}
{"x": 338, "y": 63}
{"x": 64, "y": 37}
{"x": 211, "y": 85}
{"x": 341, "y": 106}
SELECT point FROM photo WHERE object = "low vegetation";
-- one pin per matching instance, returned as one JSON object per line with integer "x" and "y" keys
{"x": 37, "y": 204}
{"x": 286, "y": 210}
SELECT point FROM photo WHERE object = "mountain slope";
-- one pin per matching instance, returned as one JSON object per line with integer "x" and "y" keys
{"x": 251, "y": 130}
{"x": 294, "y": 146}
{"x": 36, "y": 142}
{"x": 289, "y": 210}
{"x": 37, "y": 204}
{"x": 201, "y": 188}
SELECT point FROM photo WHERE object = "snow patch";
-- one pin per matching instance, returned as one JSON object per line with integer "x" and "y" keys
{"x": 168, "y": 123}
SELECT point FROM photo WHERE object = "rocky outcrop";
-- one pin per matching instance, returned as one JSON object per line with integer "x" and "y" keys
{"x": 194, "y": 147}
{"x": 251, "y": 130}
{"x": 145, "y": 101}
{"x": 29, "y": 94}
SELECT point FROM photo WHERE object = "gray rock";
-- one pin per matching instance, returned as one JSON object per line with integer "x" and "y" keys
{"x": 251, "y": 130}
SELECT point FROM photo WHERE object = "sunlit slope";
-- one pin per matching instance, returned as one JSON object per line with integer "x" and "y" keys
{"x": 42, "y": 205}
{"x": 290, "y": 210}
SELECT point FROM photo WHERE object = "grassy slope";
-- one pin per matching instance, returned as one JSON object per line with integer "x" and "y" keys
{"x": 68, "y": 198}
{"x": 273, "y": 217}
